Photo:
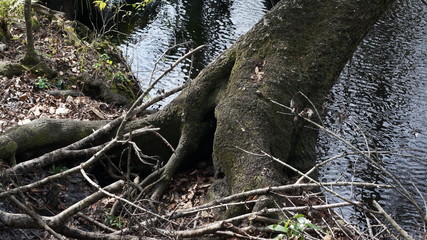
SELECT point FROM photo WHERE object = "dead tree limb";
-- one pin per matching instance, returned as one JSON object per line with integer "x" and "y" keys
{"x": 396, "y": 226}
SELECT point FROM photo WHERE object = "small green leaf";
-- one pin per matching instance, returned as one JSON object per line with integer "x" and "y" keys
{"x": 277, "y": 228}
{"x": 314, "y": 227}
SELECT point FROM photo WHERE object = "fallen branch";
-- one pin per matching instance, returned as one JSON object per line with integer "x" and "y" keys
{"x": 319, "y": 184}
{"x": 63, "y": 216}
{"x": 219, "y": 225}
{"x": 49, "y": 158}
{"x": 268, "y": 190}
{"x": 122, "y": 199}
{"x": 39, "y": 220}
{"x": 396, "y": 226}
{"x": 222, "y": 203}
{"x": 46, "y": 180}
{"x": 114, "y": 142}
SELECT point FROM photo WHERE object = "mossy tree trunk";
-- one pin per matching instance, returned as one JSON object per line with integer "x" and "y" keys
{"x": 4, "y": 31}
{"x": 31, "y": 57}
{"x": 298, "y": 49}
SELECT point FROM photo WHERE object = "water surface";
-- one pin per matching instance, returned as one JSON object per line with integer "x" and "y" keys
{"x": 380, "y": 103}
{"x": 216, "y": 23}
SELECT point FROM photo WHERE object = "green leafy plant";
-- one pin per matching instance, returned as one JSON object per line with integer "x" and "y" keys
{"x": 101, "y": 4}
{"x": 106, "y": 58}
{"x": 103, "y": 62}
{"x": 293, "y": 227}
{"x": 42, "y": 83}
{"x": 120, "y": 77}
{"x": 114, "y": 221}
{"x": 8, "y": 10}
{"x": 54, "y": 169}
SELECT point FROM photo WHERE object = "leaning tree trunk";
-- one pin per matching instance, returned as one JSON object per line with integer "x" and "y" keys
{"x": 298, "y": 47}
{"x": 296, "y": 50}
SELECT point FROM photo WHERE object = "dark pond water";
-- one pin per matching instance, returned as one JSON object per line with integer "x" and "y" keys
{"x": 381, "y": 94}
{"x": 216, "y": 23}
{"x": 381, "y": 99}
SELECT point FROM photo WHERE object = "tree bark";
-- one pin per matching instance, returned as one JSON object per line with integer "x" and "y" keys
{"x": 31, "y": 57}
{"x": 296, "y": 50}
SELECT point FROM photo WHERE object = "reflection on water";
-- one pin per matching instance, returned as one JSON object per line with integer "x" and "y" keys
{"x": 381, "y": 98}
{"x": 217, "y": 23}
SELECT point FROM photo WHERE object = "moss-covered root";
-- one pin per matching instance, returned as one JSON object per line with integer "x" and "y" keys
{"x": 10, "y": 69}
{"x": 8, "y": 149}
{"x": 41, "y": 135}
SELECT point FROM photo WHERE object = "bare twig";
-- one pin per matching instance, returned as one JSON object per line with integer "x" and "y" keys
{"x": 36, "y": 217}
{"x": 137, "y": 102}
{"x": 47, "y": 159}
{"x": 236, "y": 235}
{"x": 161, "y": 58}
{"x": 424, "y": 201}
{"x": 306, "y": 176}
{"x": 215, "y": 226}
{"x": 400, "y": 189}
{"x": 61, "y": 217}
{"x": 120, "y": 198}
{"x": 396, "y": 226}
{"x": 43, "y": 181}
{"x": 313, "y": 106}
{"x": 114, "y": 142}
{"x": 96, "y": 223}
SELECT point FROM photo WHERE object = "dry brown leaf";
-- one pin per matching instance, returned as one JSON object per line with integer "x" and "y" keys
{"x": 187, "y": 205}
{"x": 98, "y": 113}
{"x": 328, "y": 237}
{"x": 62, "y": 111}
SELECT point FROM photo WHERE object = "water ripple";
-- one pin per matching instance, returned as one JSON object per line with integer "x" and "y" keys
{"x": 383, "y": 94}
{"x": 216, "y": 23}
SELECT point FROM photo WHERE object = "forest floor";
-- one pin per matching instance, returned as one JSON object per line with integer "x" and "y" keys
{"x": 29, "y": 96}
